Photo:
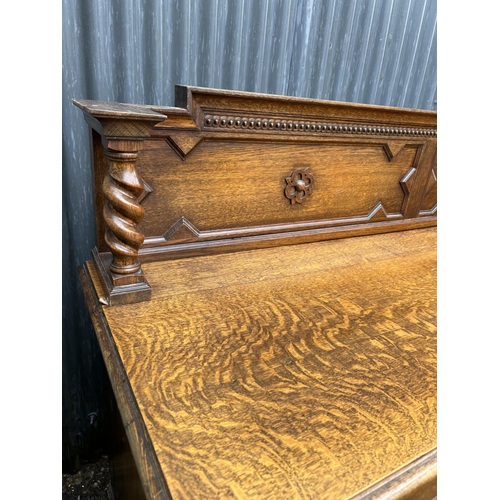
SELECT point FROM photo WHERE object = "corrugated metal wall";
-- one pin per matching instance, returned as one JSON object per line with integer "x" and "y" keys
{"x": 369, "y": 51}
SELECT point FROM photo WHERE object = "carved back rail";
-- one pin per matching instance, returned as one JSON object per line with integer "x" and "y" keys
{"x": 225, "y": 171}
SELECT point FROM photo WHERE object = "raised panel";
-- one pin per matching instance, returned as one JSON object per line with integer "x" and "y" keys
{"x": 224, "y": 185}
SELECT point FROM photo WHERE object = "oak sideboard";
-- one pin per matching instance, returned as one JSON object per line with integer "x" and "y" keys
{"x": 263, "y": 291}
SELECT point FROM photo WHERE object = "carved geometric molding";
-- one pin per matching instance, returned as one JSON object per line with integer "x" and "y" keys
{"x": 432, "y": 211}
{"x": 299, "y": 185}
{"x": 408, "y": 180}
{"x": 431, "y": 184}
{"x": 432, "y": 180}
{"x": 392, "y": 148}
{"x": 181, "y": 230}
{"x": 147, "y": 190}
{"x": 184, "y": 231}
{"x": 183, "y": 143}
{"x": 378, "y": 213}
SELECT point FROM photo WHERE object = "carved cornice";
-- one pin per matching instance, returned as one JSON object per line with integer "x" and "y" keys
{"x": 117, "y": 120}
{"x": 306, "y": 126}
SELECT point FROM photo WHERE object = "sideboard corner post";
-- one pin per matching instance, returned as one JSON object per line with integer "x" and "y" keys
{"x": 123, "y": 129}
{"x": 122, "y": 187}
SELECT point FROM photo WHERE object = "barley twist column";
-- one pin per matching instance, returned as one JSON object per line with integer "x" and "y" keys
{"x": 123, "y": 129}
{"x": 122, "y": 212}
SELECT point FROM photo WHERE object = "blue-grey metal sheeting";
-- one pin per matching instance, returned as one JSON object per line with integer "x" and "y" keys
{"x": 368, "y": 51}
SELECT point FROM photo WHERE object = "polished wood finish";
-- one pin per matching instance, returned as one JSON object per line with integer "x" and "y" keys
{"x": 416, "y": 481}
{"x": 304, "y": 371}
{"x": 219, "y": 169}
{"x": 147, "y": 465}
{"x": 236, "y": 188}
{"x": 284, "y": 342}
{"x": 299, "y": 185}
{"x": 122, "y": 129}
{"x": 370, "y": 167}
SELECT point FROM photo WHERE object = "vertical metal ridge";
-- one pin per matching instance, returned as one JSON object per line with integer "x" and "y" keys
{"x": 359, "y": 79}
{"x": 428, "y": 99}
{"x": 392, "y": 82}
{"x": 374, "y": 94}
{"x": 400, "y": 98}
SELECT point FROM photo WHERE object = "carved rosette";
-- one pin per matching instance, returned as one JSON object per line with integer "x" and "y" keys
{"x": 299, "y": 185}
{"x": 122, "y": 211}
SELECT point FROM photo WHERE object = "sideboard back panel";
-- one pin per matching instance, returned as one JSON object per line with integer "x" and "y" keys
{"x": 231, "y": 170}
{"x": 226, "y": 185}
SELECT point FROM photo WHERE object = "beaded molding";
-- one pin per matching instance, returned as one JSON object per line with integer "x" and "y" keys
{"x": 239, "y": 122}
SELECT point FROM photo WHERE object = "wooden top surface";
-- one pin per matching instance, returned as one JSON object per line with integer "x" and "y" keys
{"x": 306, "y": 371}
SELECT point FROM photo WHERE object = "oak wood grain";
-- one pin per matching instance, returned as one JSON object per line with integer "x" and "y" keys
{"x": 240, "y": 184}
{"x": 416, "y": 481}
{"x": 148, "y": 467}
{"x": 253, "y": 242}
{"x": 306, "y": 371}
{"x": 220, "y": 160}
{"x": 122, "y": 129}
{"x": 199, "y": 100}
